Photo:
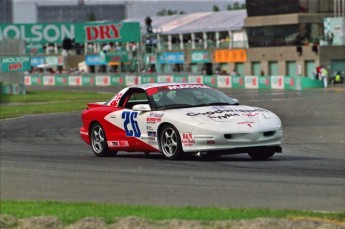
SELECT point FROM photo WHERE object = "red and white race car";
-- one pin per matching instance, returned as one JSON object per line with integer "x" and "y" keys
{"x": 177, "y": 119}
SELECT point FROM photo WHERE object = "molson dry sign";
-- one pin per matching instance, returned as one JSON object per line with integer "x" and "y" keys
{"x": 81, "y": 32}
{"x": 38, "y": 33}
{"x": 107, "y": 31}
{"x": 15, "y": 63}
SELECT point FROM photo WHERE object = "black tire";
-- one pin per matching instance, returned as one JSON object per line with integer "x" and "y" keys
{"x": 261, "y": 155}
{"x": 98, "y": 141}
{"x": 170, "y": 142}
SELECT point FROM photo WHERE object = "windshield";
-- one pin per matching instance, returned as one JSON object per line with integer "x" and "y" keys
{"x": 189, "y": 97}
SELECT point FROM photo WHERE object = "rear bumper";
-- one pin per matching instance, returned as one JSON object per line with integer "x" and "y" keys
{"x": 84, "y": 134}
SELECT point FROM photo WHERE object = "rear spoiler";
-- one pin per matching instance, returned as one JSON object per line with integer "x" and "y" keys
{"x": 96, "y": 104}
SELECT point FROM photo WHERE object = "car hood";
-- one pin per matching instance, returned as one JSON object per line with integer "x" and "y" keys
{"x": 239, "y": 113}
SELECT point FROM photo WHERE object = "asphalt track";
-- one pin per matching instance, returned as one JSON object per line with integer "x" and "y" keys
{"x": 43, "y": 158}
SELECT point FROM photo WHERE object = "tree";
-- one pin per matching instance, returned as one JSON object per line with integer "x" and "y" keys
{"x": 236, "y": 6}
{"x": 165, "y": 12}
{"x": 215, "y": 8}
{"x": 162, "y": 12}
{"x": 229, "y": 7}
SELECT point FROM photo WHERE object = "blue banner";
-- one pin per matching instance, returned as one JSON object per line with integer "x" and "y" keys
{"x": 95, "y": 59}
{"x": 172, "y": 58}
{"x": 37, "y": 60}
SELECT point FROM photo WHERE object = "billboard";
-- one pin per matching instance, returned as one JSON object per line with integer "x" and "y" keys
{"x": 82, "y": 32}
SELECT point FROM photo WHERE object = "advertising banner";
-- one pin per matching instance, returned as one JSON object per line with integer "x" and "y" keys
{"x": 103, "y": 81}
{"x": 38, "y": 33}
{"x": 75, "y": 81}
{"x": 289, "y": 82}
{"x": 172, "y": 58}
{"x": 210, "y": 81}
{"x": 61, "y": 80}
{"x": 195, "y": 79}
{"x": 105, "y": 31}
{"x": 48, "y": 80}
{"x": 53, "y": 60}
{"x": 132, "y": 80}
{"x": 148, "y": 79}
{"x": 180, "y": 79}
{"x": 117, "y": 80}
{"x": 95, "y": 59}
{"x": 224, "y": 81}
{"x": 27, "y": 80}
{"x": 277, "y": 82}
{"x": 36, "y": 80}
{"x": 82, "y": 32}
{"x": 117, "y": 56}
{"x": 264, "y": 82}
{"x": 34, "y": 49}
{"x": 165, "y": 79}
{"x": 201, "y": 56}
{"x": 37, "y": 61}
{"x": 237, "y": 82}
{"x": 230, "y": 55}
{"x": 15, "y": 63}
{"x": 88, "y": 80}
{"x": 251, "y": 82}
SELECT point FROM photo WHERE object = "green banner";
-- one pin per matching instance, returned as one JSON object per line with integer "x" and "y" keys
{"x": 61, "y": 80}
{"x": 264, "y": 82}
{"x": 148, "y": 78}
{"x": 105, "y": 31}
{"x": 118, "y": 80}
{"x": 210, "y": 81}
{"x": 116, "y": 56}
{"x": 180, "y": 78}
{"x": 82, "y": 32}
{"x": 15, "y": 63}
{"x": 200, "y": 56}
{"x": 237, "y": 82}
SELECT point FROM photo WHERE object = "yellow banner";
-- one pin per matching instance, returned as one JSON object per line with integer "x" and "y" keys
{"x": 230, "y": 55}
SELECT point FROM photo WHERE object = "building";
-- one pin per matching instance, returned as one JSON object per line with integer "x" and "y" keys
{"x": 80, "y": 13}
{"x": 290, "y": 39}
{"x": 6, "y": 11}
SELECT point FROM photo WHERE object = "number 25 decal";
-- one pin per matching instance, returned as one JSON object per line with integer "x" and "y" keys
{"x": 131, "y": 125}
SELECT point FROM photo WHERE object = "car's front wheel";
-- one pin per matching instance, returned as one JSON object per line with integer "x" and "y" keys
{"x": 261, "y": 155}
{"x": 170, "y": 142}
{"x": 99, "y": 141}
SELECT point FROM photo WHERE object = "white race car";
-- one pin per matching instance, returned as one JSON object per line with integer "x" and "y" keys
{"x": 177, "y": 119}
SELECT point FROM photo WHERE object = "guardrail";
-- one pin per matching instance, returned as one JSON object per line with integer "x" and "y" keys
{"x": 122, "y": 80}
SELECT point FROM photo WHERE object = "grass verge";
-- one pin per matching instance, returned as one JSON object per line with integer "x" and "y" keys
{"x": 72, "y": 212}
{"x": 41, "y": 102}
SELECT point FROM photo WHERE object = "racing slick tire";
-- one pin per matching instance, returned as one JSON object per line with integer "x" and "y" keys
{"x": 261, "y": 155}
{"x": 99, "y": 141}
{"x": 170, "y": 142}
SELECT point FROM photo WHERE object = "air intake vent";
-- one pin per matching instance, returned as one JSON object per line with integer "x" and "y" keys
{"x": 269, "y": 133}
{"x": 227, "y": 136}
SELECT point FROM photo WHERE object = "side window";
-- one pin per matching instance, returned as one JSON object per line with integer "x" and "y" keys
{"x": 134, "y": 98}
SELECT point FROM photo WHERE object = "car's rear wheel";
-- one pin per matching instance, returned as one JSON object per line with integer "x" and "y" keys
{"x": 261, "y": 155}
{"x": 99, "y": 141}
{"x": 170, "y": 142}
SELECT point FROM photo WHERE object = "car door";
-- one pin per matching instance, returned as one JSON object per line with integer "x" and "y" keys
{"x": 135, "y": 134}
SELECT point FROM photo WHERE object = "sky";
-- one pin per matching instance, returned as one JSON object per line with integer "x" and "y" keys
{"x": 25, "y": 10}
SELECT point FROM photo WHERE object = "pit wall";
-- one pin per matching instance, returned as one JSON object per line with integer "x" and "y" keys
{"x": 216, "y": 81}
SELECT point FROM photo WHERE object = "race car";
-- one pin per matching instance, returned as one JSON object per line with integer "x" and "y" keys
{"x": 176, "y": 119}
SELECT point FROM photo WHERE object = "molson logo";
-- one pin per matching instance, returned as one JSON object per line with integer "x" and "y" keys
{"x": 43, "y": 33}
{"x": 102, "y": 32}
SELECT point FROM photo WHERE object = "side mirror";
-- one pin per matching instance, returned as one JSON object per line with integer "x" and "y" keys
{"x": 236, "y": 101}
{"x": 141, "y": 107}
